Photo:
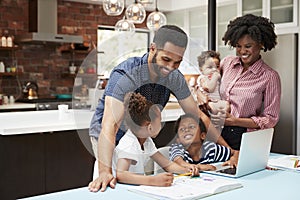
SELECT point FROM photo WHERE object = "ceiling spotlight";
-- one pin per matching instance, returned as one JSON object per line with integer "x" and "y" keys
{"x": 113, "y": 7}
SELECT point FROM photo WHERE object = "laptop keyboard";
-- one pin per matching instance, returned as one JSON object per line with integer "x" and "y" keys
{"x": 229, "y": 171}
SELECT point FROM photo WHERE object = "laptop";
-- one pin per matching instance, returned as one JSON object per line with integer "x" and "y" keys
{"x": 254, "y": 154}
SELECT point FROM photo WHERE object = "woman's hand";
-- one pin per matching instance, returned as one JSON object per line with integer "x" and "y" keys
{"x": 230, "y": 120}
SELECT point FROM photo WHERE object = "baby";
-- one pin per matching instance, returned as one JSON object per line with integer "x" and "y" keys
{"x": 209, "y": 83}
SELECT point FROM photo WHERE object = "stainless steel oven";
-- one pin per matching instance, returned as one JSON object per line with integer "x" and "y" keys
{"x": 54, "y": 105}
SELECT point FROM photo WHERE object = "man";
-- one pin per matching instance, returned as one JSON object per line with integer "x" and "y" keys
{"x": 155, "y": 75}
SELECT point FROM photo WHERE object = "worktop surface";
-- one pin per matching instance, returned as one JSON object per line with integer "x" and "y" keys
{"x": 17, "y": 106}
{"x": 14, "y": 123}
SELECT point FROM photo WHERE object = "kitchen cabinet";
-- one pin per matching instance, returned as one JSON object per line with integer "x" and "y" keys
{"x": 22, "y": 164}
{"x": 283, "y": 13}
{"x": 39, "y": 163}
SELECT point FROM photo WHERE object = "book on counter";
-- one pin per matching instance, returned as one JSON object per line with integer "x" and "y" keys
{"x": 289, "y": 162}
{"x": 186, "y": 187}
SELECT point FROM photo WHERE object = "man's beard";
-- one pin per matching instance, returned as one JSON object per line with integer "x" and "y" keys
{"x": 157, "y": 67}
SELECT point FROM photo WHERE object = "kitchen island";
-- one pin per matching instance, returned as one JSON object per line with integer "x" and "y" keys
{"x": 48, "y": 151}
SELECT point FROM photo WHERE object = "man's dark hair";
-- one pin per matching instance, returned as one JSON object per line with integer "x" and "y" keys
{"x": 260, "y": 29}
{"x": 172, "y": 34}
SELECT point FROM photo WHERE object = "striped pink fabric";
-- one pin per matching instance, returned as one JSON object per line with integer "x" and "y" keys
{"x": 253, "y": 94}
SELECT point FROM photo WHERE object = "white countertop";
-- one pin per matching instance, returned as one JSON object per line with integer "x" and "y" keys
{"x": 17, "y": 106}
{"x": 14, "y": 123}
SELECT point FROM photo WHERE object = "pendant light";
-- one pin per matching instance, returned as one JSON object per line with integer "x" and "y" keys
{"x": 156, "y": 19}
{"x": 136, "y": 13}
{"x": 113, "y": 7}
{"x": 125, "y": 25}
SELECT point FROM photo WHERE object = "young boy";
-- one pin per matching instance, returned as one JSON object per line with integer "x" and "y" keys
{"x": 136, "y": 146}
{"x": 191, "y": 147}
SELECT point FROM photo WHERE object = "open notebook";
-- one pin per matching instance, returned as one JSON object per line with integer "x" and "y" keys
{"x": 185, "y": 187}
{"x": 253, "y": 156}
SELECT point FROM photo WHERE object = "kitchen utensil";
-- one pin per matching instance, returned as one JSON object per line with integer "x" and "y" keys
{"x": 30, "y": 90}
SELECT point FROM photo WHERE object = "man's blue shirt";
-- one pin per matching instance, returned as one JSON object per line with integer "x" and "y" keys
{"x": 133, "y": 75}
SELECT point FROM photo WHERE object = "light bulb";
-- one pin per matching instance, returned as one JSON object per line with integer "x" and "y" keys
{"x": 135, "y": 9}
{"x": 156, "y": 17}
{"x": 125, "y": 25}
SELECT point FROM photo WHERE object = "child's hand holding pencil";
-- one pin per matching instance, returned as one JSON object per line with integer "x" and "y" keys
{"x": 193, "y": 171}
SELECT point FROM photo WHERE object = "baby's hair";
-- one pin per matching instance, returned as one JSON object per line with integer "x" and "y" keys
{"x": 197, "y": 119}
{"x": 138, "y": 110}
{"x": 206, "y": 55}
{"x": 260, "y": 29}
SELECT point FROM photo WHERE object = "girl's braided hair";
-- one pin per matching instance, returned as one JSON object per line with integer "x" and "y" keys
{"x": 260, "y": 29}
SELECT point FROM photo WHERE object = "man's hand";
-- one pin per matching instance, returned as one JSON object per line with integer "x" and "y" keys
{"x": 105, "y": 179}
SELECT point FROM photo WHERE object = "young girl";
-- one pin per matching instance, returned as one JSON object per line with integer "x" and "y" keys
{"x": 191, "y": 147}
{"x": 136, "y": 146}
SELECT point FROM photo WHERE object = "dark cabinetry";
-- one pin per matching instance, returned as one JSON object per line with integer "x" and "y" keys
{"x": 40, "y": 163}
{"x": 21, "y": 166}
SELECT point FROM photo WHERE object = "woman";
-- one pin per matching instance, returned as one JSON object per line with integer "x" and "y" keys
{"x": 251, "y": 87}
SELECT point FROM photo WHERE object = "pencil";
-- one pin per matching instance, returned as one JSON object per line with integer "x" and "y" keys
{"x": 185, "y": 174}
{"x": 296, "y": 163}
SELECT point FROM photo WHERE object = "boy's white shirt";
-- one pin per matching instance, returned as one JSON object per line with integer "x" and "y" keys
{"x": 129, "y": 147}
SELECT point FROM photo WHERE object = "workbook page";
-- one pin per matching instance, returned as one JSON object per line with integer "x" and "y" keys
{"x": 186, "y": 187}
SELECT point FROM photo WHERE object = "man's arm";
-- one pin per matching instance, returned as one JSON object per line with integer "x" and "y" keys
{"x": 190, "y": 106}
{"x": 112, "y": 118}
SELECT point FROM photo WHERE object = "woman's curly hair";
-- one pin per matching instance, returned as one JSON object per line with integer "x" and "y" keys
{"x": 138, "y": 110}
{"x": 260, "y": 29}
